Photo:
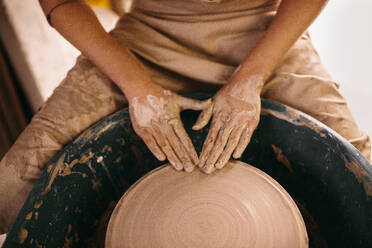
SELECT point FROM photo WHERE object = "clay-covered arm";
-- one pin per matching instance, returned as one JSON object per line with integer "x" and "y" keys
{"x": 236, "y": 107}
{"x": 154, "y": 111}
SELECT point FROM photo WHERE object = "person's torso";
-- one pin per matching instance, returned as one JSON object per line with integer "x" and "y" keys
{"x": 192, "y": 7}
{"x": 201, "y": 39}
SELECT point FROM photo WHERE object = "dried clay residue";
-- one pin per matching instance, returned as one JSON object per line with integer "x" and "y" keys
{"x": 282, "y": 158}
{"x": 294, "y": 118}
{"x": 22, "y": 235}
{"x": 106, "y": 148}
{"x": 86, "y": 158}
{"x": 58, "y": 167}
{"x": 361, "y": 175}
{"x": 64, "y": 169}
{"x": 137, "y": 153}
{"x": 29, "y": 216}
{"x": 38, "y": 205}
{"x": 91, "y": 134}
{"x": 96, "y": 185}
{"x": 99, "y": 159}
{"x": 102, "y": 130}
{"x": 68, "y": 242}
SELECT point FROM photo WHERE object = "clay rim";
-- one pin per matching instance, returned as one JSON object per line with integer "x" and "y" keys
{"x": 288, "y": 199}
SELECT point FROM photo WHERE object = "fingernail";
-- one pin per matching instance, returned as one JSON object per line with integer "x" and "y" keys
{"x": 208, "y": 169}
{"x": 236, "y": 155}
{"x": 176, "y": 166}
{"x": 161, "y": 157}
{"x": 189, "y": 168}
{"x": 195, "y": 127}
{"x": 219, "y": 165}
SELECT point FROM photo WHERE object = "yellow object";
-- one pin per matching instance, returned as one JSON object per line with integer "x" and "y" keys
{"x": 100, "y": 3}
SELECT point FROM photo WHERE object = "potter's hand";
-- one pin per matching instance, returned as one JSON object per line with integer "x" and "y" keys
{"x": 156, "y": 119}
{"x": 236, "y": 110}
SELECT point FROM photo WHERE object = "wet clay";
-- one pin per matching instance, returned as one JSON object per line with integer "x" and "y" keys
{"x": 236, "y": 111}
{"x": 239, "y": 206}
{"x": 156, "y": 119}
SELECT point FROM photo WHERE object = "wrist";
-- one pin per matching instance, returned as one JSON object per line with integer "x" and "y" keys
{"x": 142, "y": 89}
{"x": 248, "y": 82}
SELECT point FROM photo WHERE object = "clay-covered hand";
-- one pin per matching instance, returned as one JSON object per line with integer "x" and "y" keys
{"x": 156, "y": 119}
{"x": 236, "y": 111}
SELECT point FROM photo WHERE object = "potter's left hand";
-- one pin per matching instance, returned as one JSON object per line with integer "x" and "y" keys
{"x": 236, "y": 111}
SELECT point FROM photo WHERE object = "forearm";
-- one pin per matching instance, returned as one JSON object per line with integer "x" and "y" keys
{"x": 77, "y": 23}
{"x": 291, "y": 21}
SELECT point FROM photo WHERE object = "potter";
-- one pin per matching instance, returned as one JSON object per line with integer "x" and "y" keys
{"x": 165, "y": 48}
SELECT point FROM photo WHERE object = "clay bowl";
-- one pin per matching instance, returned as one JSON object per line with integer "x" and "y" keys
{"x": 329, "y": 180}
{"x": 240, "y": 206}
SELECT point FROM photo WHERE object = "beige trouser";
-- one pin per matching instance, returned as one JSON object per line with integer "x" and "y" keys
{"x": 86, "y": 96}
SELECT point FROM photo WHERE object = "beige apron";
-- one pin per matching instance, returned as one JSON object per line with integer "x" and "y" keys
{"x": 186, "y": 46}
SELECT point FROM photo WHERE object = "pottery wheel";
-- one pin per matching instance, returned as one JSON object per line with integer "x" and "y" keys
{"x": 238, "y": 206}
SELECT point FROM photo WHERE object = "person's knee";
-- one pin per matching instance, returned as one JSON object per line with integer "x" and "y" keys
{"x": 319, "y": 98}
{"x": 363, "y": 144}
{"x": 13, "y": 193}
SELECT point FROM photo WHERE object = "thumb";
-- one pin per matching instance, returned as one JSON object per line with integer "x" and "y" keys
{"x": 203, "y": 118}
{"x": 189, "y": 103}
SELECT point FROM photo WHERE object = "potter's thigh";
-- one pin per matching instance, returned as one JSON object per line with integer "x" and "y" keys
{"x": 302, "y": 83}
{"x": 84, "y": 97}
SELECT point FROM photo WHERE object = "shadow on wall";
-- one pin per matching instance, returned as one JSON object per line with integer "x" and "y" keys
{"x": 41, "y": 64}
{"x": 14, "y": 111}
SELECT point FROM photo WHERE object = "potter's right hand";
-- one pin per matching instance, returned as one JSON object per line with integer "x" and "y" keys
{"x": 156, "y": 119}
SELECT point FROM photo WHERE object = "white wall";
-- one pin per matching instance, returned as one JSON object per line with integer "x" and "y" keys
{"x": 342, "y": 35}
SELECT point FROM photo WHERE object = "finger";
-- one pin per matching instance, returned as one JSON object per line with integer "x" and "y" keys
{"x": 185, "y": 139}
{"x": 163, "y": 143}
{"x": 230, "y": 146}
{"x": 153, "y": 146}
{"x": 243, "y": 142}
{"x": 203, "y": 118}
{"x": 218, "y": 148}
{"x": 189, "y": 103}
{"x": 179, "y": 149}
{"x": 209, "y": 142}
